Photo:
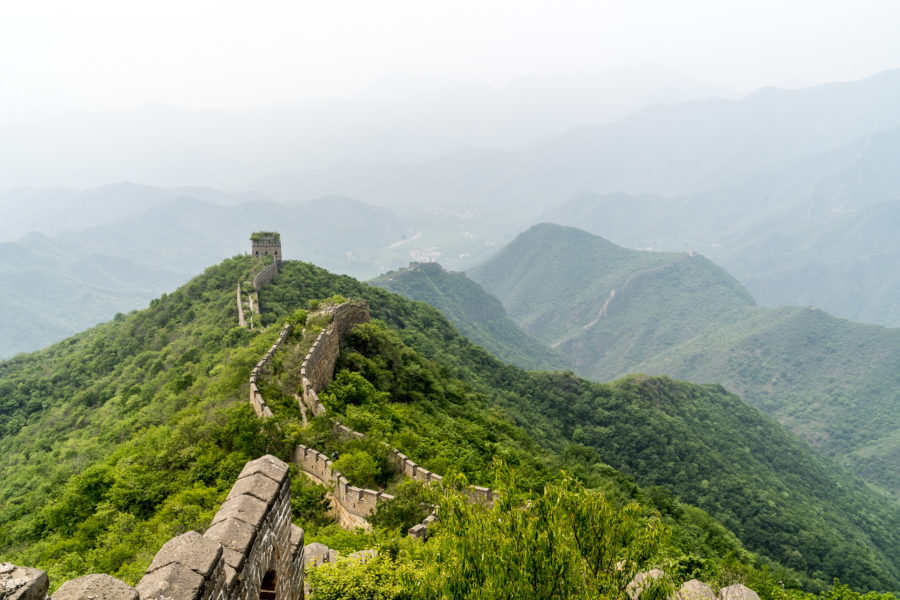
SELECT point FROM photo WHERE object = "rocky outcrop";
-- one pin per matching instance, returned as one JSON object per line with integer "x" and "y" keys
{"x": 737, "y": 591}
{"x": 694, "y": 590}
{"x": 95, "y": 587}
{"x": 22, "y": 583}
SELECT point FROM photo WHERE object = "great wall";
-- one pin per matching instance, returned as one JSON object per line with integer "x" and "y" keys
{"x": 252, "y": 550}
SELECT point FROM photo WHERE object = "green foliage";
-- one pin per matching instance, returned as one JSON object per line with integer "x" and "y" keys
{"x": 309, "y": 503}
{"x": 115, "y": 440}
{"x": 125, "y": 435}
{"x": 350, "y": 388}
{"x": 561, "y": 542}
{"x": 409, "y": 507}
{"x": 359, "y": 467}
{"x": 703, "y": 444}
{"x": 477, "y": 314}
{"x": 373, "y": 579}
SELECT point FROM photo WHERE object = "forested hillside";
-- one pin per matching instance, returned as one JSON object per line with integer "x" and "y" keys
{"x": 478, "y": 315}
{"x": 832, "y": 381}
{"x": 124, "y": 435}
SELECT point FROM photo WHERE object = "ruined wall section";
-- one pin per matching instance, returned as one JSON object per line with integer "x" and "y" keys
{"x": 317, "y": 369}
{"x": 265, "y": 277}
{"x": 256, "y": 399}
{"x": 242, "y": 322}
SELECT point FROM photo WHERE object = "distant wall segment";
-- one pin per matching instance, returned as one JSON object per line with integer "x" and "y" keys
{"x": 265, "y": 277}
{"x": 256, "y": 399}
{"x": 317, "y": 369}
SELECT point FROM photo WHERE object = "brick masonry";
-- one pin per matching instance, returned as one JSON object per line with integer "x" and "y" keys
{"x": 251, "y": 543}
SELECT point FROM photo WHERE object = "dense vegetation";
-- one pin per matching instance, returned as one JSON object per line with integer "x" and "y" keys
{"x": 478, "y": 315}
{"x": 834, "y": 382}
{"x": 123, "y": 436}
{"x": 700, "y": 441}
{"x": 133, "y": 432}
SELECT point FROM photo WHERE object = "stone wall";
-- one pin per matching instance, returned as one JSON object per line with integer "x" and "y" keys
{"x": 241, "y": 321}
{"x": 316, "y": 372}
{"x": 353, "y": 504}
{"x": 266, "y": 276}
{"x": 317, "y": 369}
{"x": 250, "y": 546}
{"x": 256, "y": 399}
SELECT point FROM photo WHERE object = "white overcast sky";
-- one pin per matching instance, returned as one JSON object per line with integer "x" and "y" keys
{"x": 101, "y": 54}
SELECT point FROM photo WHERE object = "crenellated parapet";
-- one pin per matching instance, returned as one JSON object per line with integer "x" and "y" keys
{"x": 251, "y": 550}
{"x": 317, "y": 369}
{"x": 353, "y": 504}
{"x": 256, "y": 399}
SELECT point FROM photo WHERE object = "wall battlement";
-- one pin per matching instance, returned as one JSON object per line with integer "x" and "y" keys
{"x": 251, "y": 547}
{"x": 316, "y": 372}
{"x": 256, "y": 399}
{"x": 354, "y": 503}
{"x": 317, "y": 369}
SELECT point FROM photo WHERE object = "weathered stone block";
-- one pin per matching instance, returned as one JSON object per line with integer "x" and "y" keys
{"x": 233, "y": 533}
{"x": 95, "y": 587}
{"x": 192, "y": 550}
{"x": 297, "y": 536}
{"x": 643, "y": 580}
{"x": 256, "y": 485}
{"x": 245, "y": 508}
{"x": 233, "y": 559}
{"x": 172, "y": 582}
{"x": 269, "y": 466}
{"x": 22, "y": 583}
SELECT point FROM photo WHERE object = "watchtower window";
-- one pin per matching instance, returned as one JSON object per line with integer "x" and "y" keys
{"x": 267, "y": 587}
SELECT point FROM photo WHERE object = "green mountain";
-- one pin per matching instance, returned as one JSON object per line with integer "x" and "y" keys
{"x": 816, "y": 231}
{"x": 118, "y": 438}
{"x": 693, "y": 438}
{"x": 832, "y": 381}
{"x": 75, "y": 279}
{"x": 478, "y": 315}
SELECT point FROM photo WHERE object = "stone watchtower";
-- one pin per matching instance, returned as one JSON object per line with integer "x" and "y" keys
{"x": 266, "y": 242}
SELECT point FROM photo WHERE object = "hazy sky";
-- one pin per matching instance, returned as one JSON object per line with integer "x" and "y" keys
{"x": 99, "y": 54}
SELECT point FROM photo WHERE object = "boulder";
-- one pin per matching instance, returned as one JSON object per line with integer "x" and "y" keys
{"x": 95, "y": 587}
{"x": 737, "y": 591}
{"x": 694, "y": 590}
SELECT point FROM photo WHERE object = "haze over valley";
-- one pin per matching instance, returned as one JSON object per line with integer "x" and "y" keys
{"x": 319, "y": 269}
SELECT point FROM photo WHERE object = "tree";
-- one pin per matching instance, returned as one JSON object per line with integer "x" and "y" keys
{"x": 562, "y": 542}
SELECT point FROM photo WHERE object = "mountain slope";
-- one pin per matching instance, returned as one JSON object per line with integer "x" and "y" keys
{"x": 832, "y": 381}
{"x": 758, "y": 476}
{"x": 76, "y": 279}
{"x": 815, "y": 231}
{"x": 122, "y": 435}
{"x": 478, "y": 315}
{"x": 561, "y": 283}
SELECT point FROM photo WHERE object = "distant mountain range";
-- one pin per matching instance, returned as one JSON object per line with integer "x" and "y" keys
{"x": 793, "y": 191}
{"x": 61, "y": 284}
{"x": 612, "y": 311}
